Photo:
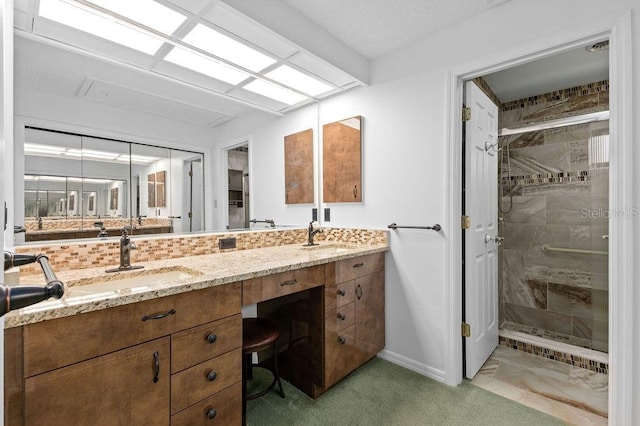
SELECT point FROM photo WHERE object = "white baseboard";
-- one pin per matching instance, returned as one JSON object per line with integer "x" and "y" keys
{"x": 410, "y": 364}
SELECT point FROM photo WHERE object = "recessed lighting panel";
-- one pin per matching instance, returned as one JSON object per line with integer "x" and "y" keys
{"x": 227, "y": 48}
{"x": 147, "y": 12}
{"x": 273, "y": 91}
{"x": 298, "y": 80}
{"x": 205, "y": 66}
{"x": 78, "y": 18}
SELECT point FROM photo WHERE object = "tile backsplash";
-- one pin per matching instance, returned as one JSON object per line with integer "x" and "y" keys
{"x": 101, "y": 253}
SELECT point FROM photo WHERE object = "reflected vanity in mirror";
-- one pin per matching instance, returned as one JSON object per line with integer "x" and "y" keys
{"x": 78, "y": 186}
{"x": 342, "y": 161}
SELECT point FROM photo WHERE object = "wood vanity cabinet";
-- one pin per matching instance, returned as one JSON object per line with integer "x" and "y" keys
{"x": 354, "y": 314}
{"x": 172, "y": 360}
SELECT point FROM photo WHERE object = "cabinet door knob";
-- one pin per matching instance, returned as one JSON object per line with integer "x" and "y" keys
{"x": 358, "y": 291}
{"x": 355, "y": 191}
{"x": 212, "y": 376}
{"x": 341, "y": 292}
{"x": 358, "y": 265}
{"x": 342, "y": 340}
{"x": 211, "y": 414}
{"x": 211, "y": 338}
{"x": 340, "y": 316}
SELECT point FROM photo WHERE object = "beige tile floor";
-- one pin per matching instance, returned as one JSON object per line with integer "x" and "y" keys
{"x": 573, "y": 394}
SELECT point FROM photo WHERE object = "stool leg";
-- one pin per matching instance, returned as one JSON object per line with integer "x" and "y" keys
{"x": 248, "y": 366}
{"x": 275, "y": 361}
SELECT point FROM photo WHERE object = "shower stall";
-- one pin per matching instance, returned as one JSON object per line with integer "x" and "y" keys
{"x": 553, "y": 215}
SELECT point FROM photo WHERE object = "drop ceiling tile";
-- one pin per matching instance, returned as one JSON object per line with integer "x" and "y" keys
{"x": 321, "y": 69}
{"x": 192, "y": 77}
{"x": 246, "y": 29}
{"x": 256, "y": 99}
{"x": 125, "y": 97}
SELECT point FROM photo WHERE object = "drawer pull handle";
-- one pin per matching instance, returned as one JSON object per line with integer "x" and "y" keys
{"x": 211, "y": 414}
{"x": 342, "y": 340}
{"x": 341, "y": 316}
{"x": 158, "y": 316}
{"x": 212, "y": 376}
{"x": 211, "y": 338}
{"x": 290, "y": 282}
{"x": 341, "y": 292}
{"x": 156, "y": 366}
{"x": 358, "y": 265}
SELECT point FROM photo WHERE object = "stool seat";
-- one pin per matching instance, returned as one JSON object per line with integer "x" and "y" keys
{"x": 258, "y": 334}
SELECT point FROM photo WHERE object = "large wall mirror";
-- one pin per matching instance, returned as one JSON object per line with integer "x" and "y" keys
{"x": 79, "y": 186}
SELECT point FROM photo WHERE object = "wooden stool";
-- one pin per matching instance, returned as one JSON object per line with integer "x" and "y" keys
{"x": 259, "y": 334}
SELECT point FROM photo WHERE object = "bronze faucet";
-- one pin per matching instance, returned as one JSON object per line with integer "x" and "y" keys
{"x": 126, "y": 245}
{"x": 312, "y": 232}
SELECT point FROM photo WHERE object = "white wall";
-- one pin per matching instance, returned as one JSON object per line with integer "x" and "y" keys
{"x": 266, "y": 164}
{"x": 405, "y": 163}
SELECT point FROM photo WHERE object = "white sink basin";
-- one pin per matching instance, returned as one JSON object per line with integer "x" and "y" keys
{"x": 329, "y": 248}
{"x": 136, "y": 279}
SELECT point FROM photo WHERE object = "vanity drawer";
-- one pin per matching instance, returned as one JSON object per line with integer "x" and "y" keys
{"x": 350, "y": 269}
{"x": 272, "y": 286}
{"x": 196, "y": 345}
{"x": 340, "y": 353}
{"x": 225, "y": 407}
{"x": 56, "y": 343}
{"x": 342, "y": 317}
{"x": 340, "y": 295}
{"x": 205, "y": 379}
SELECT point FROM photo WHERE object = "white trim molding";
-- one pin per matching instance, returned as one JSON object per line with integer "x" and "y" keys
{"x": 621, "y": 229}
{"x": 410, "y": 364}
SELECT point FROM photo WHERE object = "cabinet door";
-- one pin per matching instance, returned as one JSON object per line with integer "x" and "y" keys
{"x": 127, "y": 387}
{"x": 342, "y": 161}
{"x": 369, "y": 316}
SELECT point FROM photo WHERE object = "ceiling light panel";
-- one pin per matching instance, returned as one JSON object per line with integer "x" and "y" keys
{"x": 273, "y": 91}
{"x": 207, "y": 66}
{"x": 92, "y": 23}
{"x": 298, "y": 80}
{"x": 146, "y": 12}
{"x": 227, "y": 48}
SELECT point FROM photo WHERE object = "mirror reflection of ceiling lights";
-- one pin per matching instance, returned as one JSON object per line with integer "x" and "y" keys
{"x": 170, "y": 34}
{"x": 43, "y": 150}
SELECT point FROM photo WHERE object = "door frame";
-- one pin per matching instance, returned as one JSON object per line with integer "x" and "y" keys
{"x": 621, "y": 256}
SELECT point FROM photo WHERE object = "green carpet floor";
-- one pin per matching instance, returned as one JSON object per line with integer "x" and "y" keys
{"x": 382, "y": 393}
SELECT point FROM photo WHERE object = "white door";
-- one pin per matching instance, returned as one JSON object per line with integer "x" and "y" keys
{"x": 480, "y": 259}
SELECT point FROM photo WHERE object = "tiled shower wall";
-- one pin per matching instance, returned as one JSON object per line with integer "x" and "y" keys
{"x": 558, "y": 198}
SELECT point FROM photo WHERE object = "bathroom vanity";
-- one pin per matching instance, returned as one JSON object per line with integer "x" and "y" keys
{"x": 169, "y": 351}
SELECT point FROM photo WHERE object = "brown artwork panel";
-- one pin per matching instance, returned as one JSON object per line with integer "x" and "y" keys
{"x": 298, "y": 167}
{"x": 342, "y": 161}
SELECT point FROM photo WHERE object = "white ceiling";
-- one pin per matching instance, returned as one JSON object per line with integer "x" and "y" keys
{"x": 374, "y": 28}
{"x": 561, "y": 71}
{"x": 370, "y": 28}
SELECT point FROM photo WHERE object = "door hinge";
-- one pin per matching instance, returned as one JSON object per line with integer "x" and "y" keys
{"x": 189, "y": 215}
{"x": 190, "y": 173}
{"x": 466, "y": 330}
{"x": 465, "y": 222}
{"x": 466, "y": 113}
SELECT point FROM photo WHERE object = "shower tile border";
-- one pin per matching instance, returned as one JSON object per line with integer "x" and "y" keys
{"x": 517, "y": 341}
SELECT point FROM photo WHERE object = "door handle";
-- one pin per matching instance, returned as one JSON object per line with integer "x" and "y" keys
{"x": 487, "y": 238}
{"x": 498, "y": 240}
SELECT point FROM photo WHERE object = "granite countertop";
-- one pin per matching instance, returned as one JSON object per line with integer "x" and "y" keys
{"x": 92, "y": 289}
